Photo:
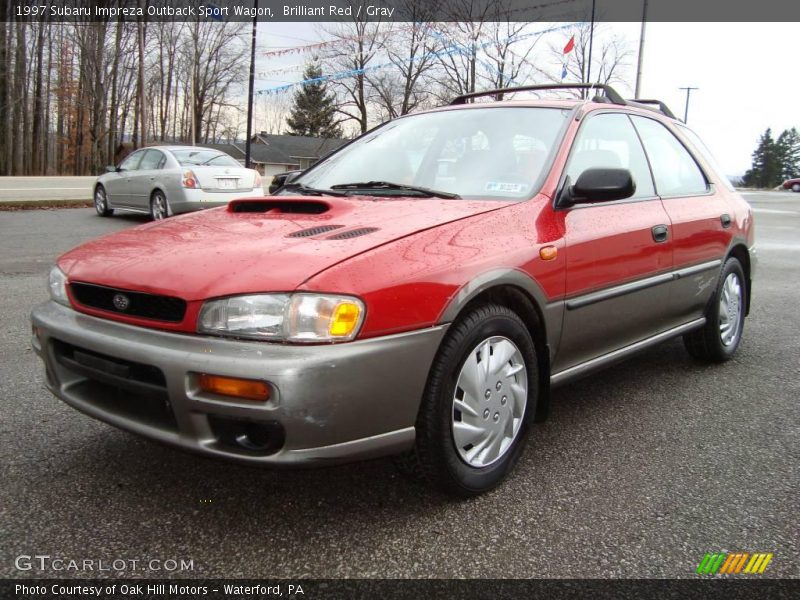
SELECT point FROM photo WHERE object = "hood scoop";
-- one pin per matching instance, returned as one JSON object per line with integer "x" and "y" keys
{"x": 312, "y": 231}
{"x": 352, "y": 233}
{"x": 294, "y": 207}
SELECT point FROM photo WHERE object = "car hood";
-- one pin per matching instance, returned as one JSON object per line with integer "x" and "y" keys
{"x": 255, "y": 245}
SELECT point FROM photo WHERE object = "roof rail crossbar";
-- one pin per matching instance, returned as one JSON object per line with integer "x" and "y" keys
{"x": 661, "y": 106}
{"x": 607, "y": 90}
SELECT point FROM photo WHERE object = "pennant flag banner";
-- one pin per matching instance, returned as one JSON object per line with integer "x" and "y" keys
{"x": 570, "y": 45}
{"x": 356, "y": 72}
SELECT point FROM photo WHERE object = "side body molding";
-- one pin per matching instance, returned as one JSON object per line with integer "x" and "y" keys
{"x": 552, "y": 313}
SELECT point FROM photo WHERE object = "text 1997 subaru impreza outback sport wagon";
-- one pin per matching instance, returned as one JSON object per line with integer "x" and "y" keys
{"x": 414, "y": 294}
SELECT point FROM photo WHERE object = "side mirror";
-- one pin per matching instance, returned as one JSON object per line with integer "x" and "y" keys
{"x": 111, "y": 169}
{"x": 598, "y": 185}
{"x": 292, "y": 176}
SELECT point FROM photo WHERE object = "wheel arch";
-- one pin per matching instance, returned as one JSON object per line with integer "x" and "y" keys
{"x": 518, "y": 292}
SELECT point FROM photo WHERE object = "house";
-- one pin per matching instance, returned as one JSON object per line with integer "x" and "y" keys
{"x": 272, "y": 153}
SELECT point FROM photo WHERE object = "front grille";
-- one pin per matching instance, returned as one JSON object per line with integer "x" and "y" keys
{"x": 139, "y": 304}
{"x": 352, "y": 233}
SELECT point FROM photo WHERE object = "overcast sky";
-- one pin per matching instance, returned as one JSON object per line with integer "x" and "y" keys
{"x": 747, "y": 75}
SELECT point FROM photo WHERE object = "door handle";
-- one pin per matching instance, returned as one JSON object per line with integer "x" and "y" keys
{"x": 660, "y": 233}
{"x": 725, "y": 220}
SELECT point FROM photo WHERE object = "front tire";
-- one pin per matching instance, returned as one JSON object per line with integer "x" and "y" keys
{"x": 481, "y": 391}
{"x": 796, "y": 187}
{"x": 719, "y": 338}
{"x": 101, "y": 202}
{"x": 159, "y": 206}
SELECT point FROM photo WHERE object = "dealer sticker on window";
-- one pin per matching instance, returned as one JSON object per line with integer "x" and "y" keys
{"x": 505, "y": 187}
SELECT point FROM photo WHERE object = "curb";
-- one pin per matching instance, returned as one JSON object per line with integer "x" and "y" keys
{"x": 13, "y": 205}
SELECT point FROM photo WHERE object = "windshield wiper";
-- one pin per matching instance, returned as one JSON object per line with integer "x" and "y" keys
{"x": 299, "y": 187}
{"x": 388, "y": 185}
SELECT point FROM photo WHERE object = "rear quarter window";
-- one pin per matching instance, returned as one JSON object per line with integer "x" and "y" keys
{"x": 699, "y": 147}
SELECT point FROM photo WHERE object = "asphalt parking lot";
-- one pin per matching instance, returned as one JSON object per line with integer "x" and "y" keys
{"x": 639, "y": 472}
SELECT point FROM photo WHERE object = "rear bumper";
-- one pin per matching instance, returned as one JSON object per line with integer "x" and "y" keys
{"x": 331, "y": 403}
{"x": 199, "y": 199}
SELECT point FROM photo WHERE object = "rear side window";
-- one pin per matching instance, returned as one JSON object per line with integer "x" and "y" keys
{"x": 153, "y": 159}
{"x": 609, "y": 141}
{"x": 675, "y": 171}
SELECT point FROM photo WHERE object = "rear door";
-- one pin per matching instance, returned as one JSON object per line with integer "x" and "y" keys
{"x": 619, "y": 254}
{"x": 701, "y": 219}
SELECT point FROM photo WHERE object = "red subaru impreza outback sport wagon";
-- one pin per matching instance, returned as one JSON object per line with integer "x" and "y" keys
{"x": 416, "y": 293}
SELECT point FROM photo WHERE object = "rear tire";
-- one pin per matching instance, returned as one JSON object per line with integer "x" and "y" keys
{"x": 719, "y": 338}
{"x": 469, "y": 438}
{"x": 159, "y": 206}
{"x": 101, "y": 202}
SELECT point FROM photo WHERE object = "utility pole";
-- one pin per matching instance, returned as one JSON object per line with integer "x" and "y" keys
{"x": 142, "y": 106}
{"x": 637, "y": 93}
{"x": 686, "y": 110}
{"x": 591, "y": 43}
{"x": 250, "y": 87}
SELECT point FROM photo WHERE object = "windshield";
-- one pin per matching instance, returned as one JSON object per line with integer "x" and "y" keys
{"x": 200, "y": 157}
{"x": 486, "y": 153}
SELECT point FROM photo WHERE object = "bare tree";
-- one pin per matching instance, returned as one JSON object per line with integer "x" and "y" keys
{"x": 216, "y": 64}
{"x": 358, "y": 44}
{"x": 411, "y": 52}
{"x": 611, "y": 58}
{"x": 509, "y": 55}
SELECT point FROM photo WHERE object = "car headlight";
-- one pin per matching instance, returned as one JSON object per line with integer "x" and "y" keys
{"x": 284, "y": 317}
{"x": 57, "y": 283}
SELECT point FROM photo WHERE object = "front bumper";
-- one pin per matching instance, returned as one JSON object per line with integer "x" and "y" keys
{"x": 331, "y": 403}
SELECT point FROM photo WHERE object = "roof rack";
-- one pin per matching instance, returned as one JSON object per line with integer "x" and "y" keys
{"x": 610, "y": 94}
{"x": 663, "y": 108}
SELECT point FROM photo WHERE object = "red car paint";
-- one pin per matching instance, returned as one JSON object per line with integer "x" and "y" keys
{"x": 424, "y": 252}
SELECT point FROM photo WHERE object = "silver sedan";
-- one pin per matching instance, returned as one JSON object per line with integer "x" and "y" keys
{"x": 168, "y": 180}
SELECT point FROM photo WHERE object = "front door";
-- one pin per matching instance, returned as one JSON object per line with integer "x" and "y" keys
{"x": 619, "y": 254}
{"x": 118, "y": 185}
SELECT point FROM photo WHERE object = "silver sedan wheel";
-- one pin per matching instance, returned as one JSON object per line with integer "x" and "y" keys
{"x": 489, "y": 401}
{"x": 160, "y": 208}
{"x": 100, "y": 203}
{"x": 730, "y": 310}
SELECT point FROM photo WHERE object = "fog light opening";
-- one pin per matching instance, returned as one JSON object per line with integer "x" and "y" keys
{"x": 252, "y": 437}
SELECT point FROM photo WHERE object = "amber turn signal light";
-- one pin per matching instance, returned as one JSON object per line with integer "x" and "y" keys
{"x": 548, "y": 252}
{"x": 247, "y": 389}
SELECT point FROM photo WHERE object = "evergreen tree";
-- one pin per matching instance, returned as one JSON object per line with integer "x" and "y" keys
{"x": 767, "y": 167}
{"x": 788, "y": 149}
{"x": 314, "y": 110}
